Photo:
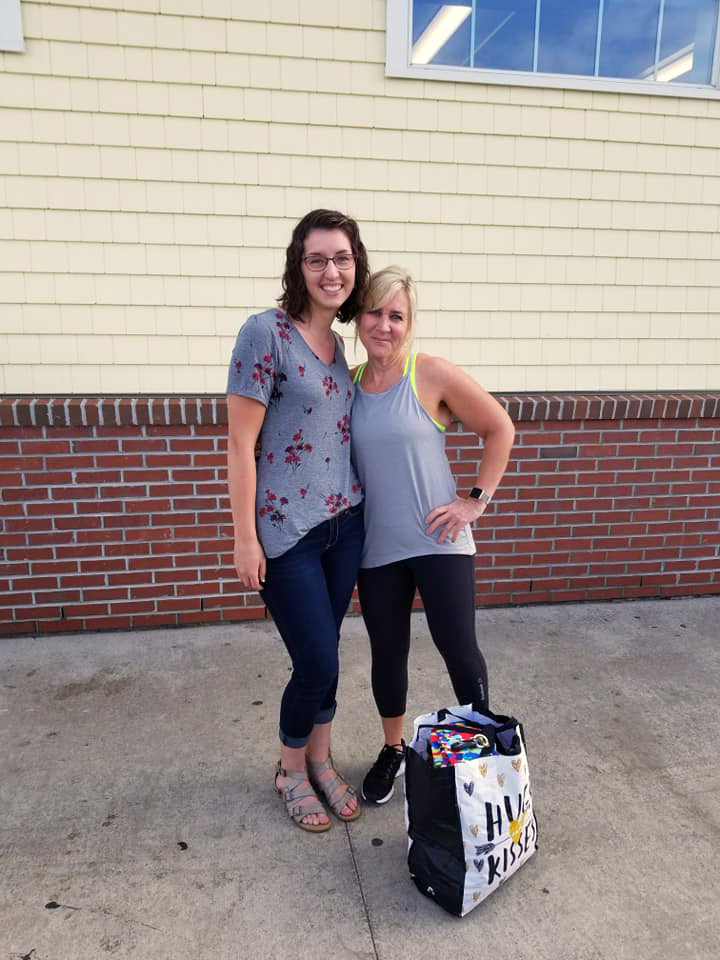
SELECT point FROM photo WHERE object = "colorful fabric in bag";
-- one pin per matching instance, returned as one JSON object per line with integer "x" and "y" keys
{"x": 449, "y": 745}
{"x": 471, "y": 824}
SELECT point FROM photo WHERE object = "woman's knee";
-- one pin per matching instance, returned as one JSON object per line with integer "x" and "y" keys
{"x": 316, "y": 674}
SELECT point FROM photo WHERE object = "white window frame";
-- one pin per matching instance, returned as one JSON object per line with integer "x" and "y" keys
{"x": 11, "y": 32}
{"x": 399, "y": 43}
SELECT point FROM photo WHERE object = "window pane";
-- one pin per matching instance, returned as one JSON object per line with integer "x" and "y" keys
{"x": 505, "y": 34}
{"x": 629, "y": 35}
{"x": 686, "y": 45}
{"x": 567, "y": 36}
{"x": 606, "y": 38}
{"x": 441, "y": 33}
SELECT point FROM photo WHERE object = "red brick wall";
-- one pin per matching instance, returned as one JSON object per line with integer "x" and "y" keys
{"x": 114, "y": 513}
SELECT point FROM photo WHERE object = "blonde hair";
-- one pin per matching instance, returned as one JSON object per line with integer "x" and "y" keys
{"x": 383, "y": 286}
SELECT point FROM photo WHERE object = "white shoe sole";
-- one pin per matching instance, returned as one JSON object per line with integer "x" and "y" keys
{"x": 388, "y": 796}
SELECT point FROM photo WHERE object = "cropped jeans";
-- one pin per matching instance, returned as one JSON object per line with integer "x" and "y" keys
{"x": 307, "y": 591}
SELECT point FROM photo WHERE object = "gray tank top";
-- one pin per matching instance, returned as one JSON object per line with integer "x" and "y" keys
{"x": 399, "y": 455}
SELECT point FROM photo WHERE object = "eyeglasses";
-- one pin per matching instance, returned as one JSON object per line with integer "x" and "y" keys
{"x": 343, "y": 261}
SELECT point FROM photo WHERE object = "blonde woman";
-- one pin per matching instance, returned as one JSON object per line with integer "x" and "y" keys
{"x": 417, "y": 529}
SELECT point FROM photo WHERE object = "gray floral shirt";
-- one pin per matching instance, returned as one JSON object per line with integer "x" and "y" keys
{"x": 304, "y": 473}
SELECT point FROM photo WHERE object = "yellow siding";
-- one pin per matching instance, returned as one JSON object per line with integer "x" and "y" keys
{"x": 155, "y": 154}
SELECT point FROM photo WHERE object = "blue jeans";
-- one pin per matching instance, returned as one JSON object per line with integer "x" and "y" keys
{"x": 307, "y": 591}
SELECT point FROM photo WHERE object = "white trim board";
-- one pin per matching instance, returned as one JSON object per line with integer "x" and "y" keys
{"x": 11, "y": 33}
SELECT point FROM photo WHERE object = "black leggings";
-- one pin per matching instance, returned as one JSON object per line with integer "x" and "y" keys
{"x": 446, "y": 584}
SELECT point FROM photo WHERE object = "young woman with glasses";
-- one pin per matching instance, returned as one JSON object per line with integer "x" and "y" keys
{"x": 295, "y": 497}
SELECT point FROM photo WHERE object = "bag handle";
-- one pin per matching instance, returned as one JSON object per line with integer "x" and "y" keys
{"x": 504, "y": 724}
{"x": 502, "y": 721}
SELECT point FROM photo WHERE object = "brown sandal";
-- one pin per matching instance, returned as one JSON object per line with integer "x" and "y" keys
{"x": 294, "y": 793}
{"x": 330, "y": 786}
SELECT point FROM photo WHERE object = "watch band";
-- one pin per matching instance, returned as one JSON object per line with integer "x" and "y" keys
{"x": 477, "y": 494}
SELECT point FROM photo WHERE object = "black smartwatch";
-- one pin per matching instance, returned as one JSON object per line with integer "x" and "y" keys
{"x": 477, "y": 494}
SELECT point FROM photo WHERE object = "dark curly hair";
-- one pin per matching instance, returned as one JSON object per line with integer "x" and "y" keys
{"x": 294, "y": 297}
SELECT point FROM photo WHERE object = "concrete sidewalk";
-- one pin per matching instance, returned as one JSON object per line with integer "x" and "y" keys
{"x": 137, "y": 817}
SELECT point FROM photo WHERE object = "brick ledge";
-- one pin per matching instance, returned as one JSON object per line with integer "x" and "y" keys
{"x": 210, "y": 410}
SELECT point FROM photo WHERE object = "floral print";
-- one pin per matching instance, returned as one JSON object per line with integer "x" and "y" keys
{"x": 276, "y": 395}
{"x": 283, "y": 327}
{"x": 271, "y": 509}
{"x": 343, "y": 428}
{"x": 336, "y": 502}
{"x": 262, "y": 371}
{"x": 296, "y": 450}
{"x": 329, "y": 385}
{"x": 306, "y": 431}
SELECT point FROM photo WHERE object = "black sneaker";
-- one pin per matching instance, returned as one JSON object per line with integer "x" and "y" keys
{"x": 378, "y": 785}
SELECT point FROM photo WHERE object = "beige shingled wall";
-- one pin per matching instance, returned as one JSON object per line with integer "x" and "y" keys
{"x": 156, "y": 153}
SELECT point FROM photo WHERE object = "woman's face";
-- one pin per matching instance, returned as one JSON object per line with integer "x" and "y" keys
{"x": 329, "y": 287}
{"x": 384, "y": 331}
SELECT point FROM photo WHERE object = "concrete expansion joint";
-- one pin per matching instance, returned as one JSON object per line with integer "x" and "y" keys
{"x": 366, "y": 911}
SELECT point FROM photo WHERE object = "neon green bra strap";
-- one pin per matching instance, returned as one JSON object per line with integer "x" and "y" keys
{"x": 360, "y": 370}
{"x": 409, "y": 362}
{"x": 414, "y": 387}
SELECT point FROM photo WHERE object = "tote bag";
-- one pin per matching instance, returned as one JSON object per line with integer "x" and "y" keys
{"x": 468, "y": 805}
